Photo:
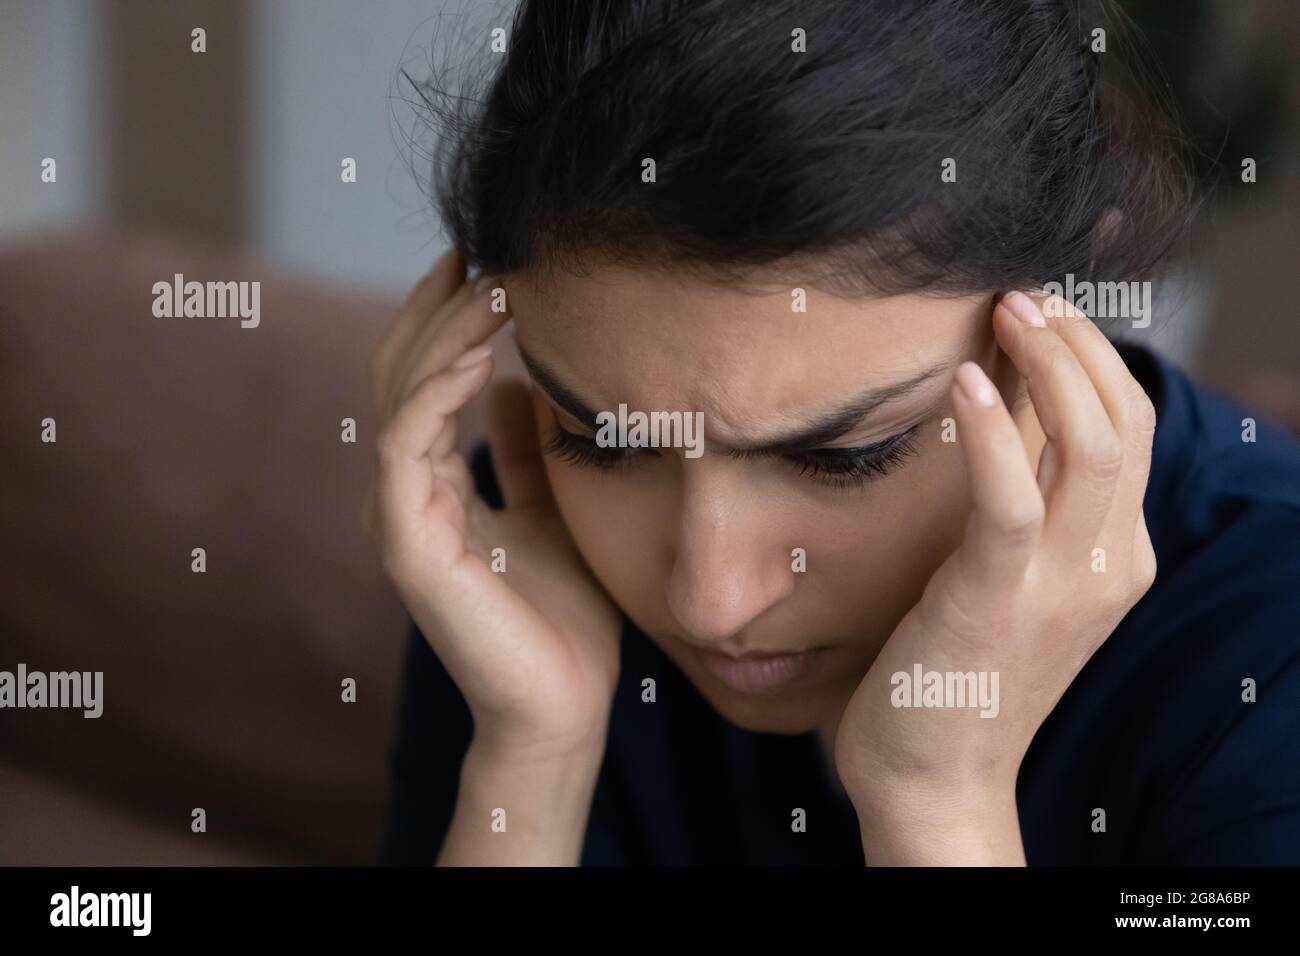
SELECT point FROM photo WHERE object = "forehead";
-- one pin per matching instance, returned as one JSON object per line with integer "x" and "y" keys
{"x": 664, "y": 340}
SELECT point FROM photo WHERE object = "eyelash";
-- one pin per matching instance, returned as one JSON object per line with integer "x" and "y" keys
{"x": 836, "y": 467}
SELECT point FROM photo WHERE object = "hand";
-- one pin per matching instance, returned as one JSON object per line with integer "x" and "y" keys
{"x": 534, "y": 650}
{"x": 1027, "y": 595}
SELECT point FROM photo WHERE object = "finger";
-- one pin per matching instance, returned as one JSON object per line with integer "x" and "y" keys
{"x": 516, "y": 451}
{"x": 1007, "y": 378}
{"x": 447, "y": 463}
{"x": 469, "y": 320}
{"x": 1130, "y": 409}
{"x": 1007, "y": 513}
{"x": 408, "y": 480}
{"x": 1083, "y": 448}
{"x": 404, "y": 361}
{"x": 437, "y": 285}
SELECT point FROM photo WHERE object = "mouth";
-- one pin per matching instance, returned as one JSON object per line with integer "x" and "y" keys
{"x": 757, "y": 673}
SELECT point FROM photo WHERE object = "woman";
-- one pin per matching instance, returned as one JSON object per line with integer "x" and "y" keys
{"x": 951, "y": 579}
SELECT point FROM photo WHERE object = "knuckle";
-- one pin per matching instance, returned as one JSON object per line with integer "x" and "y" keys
{"x": 1020, "y": 526}
{"x": 394, "y": 564}
{"x": 1103, "y": 455}
{"x": 1141, "y": 411}
{"x": 1070, "y": 314}
{"x": 1116, "y": 598}
{"x": 387, "y": 447}
{"x": 1145, "y": 567}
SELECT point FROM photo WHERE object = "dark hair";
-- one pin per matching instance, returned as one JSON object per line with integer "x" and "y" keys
{"x": 824, "y": 164}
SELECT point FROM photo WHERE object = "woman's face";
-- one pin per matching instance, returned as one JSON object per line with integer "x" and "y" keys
{"x": 700, "y": 551}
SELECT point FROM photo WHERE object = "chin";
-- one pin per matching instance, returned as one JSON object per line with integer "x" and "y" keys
{"x": 768, "y": 716}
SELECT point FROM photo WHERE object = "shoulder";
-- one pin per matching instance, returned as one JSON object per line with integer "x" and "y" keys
{"x": 1209, "y": 447}
{"x": 1223, "y": 498}
{"x": 1185, "y": 724}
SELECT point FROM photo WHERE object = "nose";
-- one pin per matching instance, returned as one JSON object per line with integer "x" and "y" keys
{"x": 728, "y": 567}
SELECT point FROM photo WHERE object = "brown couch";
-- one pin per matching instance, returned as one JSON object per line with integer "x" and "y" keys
{"x": 222, "y": 690}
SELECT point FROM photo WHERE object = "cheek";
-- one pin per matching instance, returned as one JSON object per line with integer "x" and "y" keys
{"x": 870, "y": 558}
{"x": 617, "y": 525}
{"x": 619, "y": 536}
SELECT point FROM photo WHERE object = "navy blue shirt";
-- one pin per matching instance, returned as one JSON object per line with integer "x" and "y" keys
{"x": 1154, "y": 730}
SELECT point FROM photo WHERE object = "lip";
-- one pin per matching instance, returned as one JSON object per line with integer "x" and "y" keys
{"x": 757, "y": 673}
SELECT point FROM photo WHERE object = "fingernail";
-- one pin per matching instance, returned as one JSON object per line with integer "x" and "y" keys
{"x": 1023, "y": 308}
{"x": 471, "y": 358}
{"x": 975, "y": 384}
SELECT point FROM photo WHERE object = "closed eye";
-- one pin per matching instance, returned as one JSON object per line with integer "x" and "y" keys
{"x": 837, "y": 467}
{"x": 844, "y": 467}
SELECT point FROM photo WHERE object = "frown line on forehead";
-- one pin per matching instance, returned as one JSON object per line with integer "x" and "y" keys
{"x": 819, "y": 429}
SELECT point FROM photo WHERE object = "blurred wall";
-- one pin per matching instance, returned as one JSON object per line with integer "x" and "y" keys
{"x": 51, "y": 61}
{"x": 241, "y": 144}
{"x": 327, "y": 76}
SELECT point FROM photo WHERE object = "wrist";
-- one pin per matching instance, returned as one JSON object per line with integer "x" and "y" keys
{"x": 517, "y": 806}
{"x": 925, "y": 823}
{"x": 540, "y": 757}
{"x": 531, "y": 747}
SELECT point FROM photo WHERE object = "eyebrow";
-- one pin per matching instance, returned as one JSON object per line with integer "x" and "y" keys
{"x": 822, "y": 429}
